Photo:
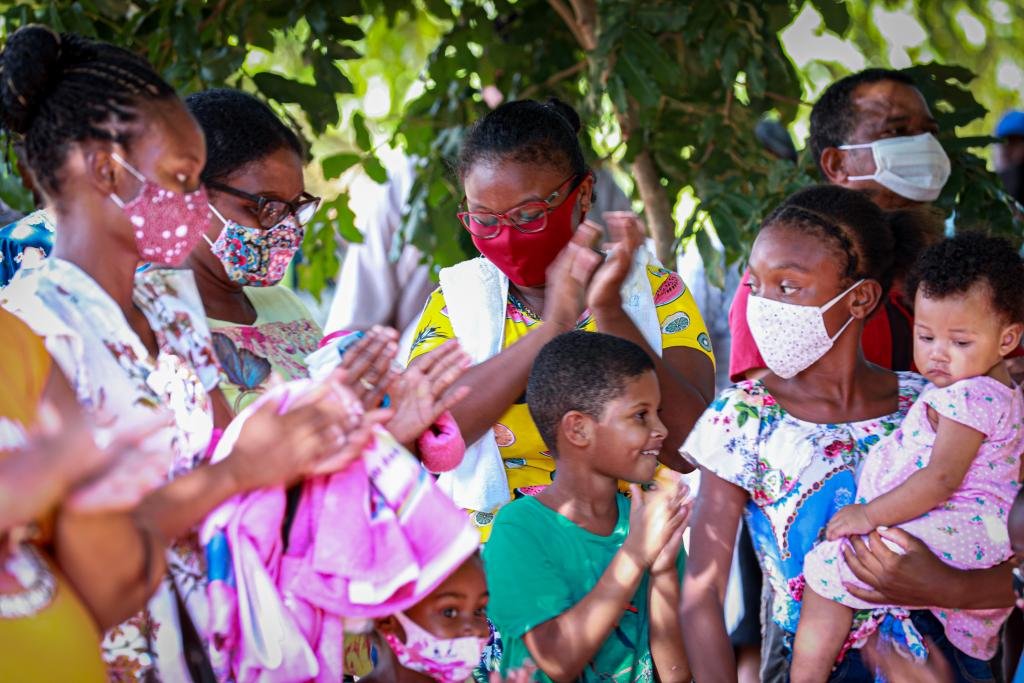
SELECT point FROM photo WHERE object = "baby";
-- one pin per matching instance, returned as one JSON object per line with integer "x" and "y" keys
{"x": 948, "y": 475}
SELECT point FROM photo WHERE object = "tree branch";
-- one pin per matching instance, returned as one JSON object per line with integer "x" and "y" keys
{"x": 657, "y": 209}
{"x": 586, "y": 18}
{"x": 581, "y": 20}
{"x": 553, "y": 80}
{"x": 786, "y": 98}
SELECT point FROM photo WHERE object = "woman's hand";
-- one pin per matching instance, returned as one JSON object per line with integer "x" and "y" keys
{"x": 851, "y": 520}
{"x": 627, "y": 233}
{"x": 369, "y": 365}
{"x": 568, "y": 278}
{"x": 912, "y": 578}
{"x": 420, "y": 394}
{"x": 896, "y": 667}
{"x": 322, "y": 433}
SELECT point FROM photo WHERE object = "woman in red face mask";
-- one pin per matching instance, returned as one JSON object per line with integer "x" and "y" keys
{"x": 527, "y": 194}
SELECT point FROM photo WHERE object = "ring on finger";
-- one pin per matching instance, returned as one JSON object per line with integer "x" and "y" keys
{"x": 367, "y": 384}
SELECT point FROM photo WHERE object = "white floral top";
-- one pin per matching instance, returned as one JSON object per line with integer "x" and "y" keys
{"x": 797, "y": 474}
{"x": 122, "y": 387}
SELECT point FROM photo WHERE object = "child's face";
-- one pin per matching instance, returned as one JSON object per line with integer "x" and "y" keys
{"x": 960, "y": 336}
{"x": 458, "y": 607}
{"x": 629, "y": 435}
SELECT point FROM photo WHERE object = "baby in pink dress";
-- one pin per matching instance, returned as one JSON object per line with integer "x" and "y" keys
{"x": 949, "y": 474}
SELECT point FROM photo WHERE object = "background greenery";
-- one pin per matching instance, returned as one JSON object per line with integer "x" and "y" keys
{"x": 670, "y": 92}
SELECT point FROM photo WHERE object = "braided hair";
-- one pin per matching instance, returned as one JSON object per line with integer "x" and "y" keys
{"x": 60, "y": 89}
{"x": 869, "y": 242}
{"x": 526, "y": 131}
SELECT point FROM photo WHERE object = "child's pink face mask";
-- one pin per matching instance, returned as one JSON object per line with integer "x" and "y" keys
{"x": 449, "y": 660}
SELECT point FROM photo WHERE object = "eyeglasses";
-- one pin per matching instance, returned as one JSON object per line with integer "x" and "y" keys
{"x": 528, "y": 218}
{"x": 270, "y": 211}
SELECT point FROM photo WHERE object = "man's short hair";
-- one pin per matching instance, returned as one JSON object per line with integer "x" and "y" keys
{"x": 580, "y": 371}
{"x": 833, "y": 117}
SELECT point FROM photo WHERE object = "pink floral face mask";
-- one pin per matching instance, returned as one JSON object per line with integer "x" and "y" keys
{"x": 167, "y": 224}
{"x": 449, "y": 660}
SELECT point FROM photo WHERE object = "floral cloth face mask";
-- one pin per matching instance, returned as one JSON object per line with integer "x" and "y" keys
{"x": 450, "y": 660}
{"x": 256, "y": 257}
{"x": 167, "y": 224}
{"x": 792, "y": 338}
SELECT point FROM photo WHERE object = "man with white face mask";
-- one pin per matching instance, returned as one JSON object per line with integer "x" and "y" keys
{"x": 871, "y": 131}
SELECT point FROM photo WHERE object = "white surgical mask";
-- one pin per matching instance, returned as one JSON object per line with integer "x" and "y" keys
{"x": 791, "y": 338}
{"x": 449, "y": 660}
{"x": 915, "y": 166}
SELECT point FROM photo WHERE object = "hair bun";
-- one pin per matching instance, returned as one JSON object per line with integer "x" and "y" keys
{"x": 29, "y": 70}
{"x": 566, "y": 112}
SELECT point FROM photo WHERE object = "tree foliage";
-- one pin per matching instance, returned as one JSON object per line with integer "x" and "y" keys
{"x": 671, "y": 93}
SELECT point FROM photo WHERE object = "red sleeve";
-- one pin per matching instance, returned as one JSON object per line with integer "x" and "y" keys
{"x": 876, "y": 340}
{"x": 743, "y": 355}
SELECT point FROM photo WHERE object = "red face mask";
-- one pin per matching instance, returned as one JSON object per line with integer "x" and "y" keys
{"x": 525, "y": 257}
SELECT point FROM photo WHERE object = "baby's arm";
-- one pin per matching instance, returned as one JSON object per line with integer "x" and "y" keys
{"x": 562, "y": 647}
{"x": 956, "y": 446}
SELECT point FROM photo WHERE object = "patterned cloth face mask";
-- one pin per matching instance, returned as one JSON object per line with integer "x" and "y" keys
{"x": 167, "y": 224}
{"x": 792, "y": 338}
{"x": 449, "y": 660}
{"x": 256, "y": 257}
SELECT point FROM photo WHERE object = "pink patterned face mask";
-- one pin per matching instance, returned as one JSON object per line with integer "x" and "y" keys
{"x": 450, "y": 660}
{"x": 167, "y": 224}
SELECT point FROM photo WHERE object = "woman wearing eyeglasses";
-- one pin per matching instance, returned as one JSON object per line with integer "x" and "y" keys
{"x": 253, "y": 176}
{"x": 527, "y": 193}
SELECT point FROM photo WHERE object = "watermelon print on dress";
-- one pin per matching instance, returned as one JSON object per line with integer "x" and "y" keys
{"x": 669, "y": 290}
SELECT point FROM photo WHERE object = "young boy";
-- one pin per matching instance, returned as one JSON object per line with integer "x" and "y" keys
{"x": 583, "y": 581}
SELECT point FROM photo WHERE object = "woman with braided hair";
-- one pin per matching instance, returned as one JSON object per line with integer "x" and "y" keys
{"x": 118, "y": 158}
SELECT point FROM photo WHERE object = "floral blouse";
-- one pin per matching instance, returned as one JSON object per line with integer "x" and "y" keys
{"x": 798, "y": 474}
{"x": 122, "y": 387}
{"x": 277, "y": 342}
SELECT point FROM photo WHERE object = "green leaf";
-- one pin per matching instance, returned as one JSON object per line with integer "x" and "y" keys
{"x": 336, "y": 164}
{"x": 363, "y": 140}
{"x": 319, "y": 105}
{"x": 835, "y": 14}
{"x": 638, "y": 84}
{"x": 341, "y": 30}
{"x": 375, "y": 169}
{"x": 439, "y": 8}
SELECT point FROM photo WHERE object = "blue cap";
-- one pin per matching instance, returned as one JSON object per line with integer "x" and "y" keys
{"x": 1011, "y": 124}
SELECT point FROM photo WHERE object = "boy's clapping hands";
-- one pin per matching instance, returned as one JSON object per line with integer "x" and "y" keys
{"x": 657, "y": 519}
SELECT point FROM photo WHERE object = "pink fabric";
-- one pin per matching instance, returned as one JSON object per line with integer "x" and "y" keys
{"x": 442, "y": 447}
{"x": 366, "y": 542}
{"x": 333, "y": 335}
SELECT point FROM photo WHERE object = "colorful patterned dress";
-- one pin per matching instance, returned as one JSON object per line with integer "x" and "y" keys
{"x": 122, "y": 387}
{"x": 797, "y": 474}
{"x": 278, "y": 341}
{"x": 969, "y": 530}
{"x": 528, "y": 464}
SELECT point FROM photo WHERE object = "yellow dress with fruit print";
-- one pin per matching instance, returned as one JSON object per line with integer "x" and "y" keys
{"x": 528, "y": 464}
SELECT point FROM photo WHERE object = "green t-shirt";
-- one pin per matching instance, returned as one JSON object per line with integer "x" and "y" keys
{"x": 539, "y": 564}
